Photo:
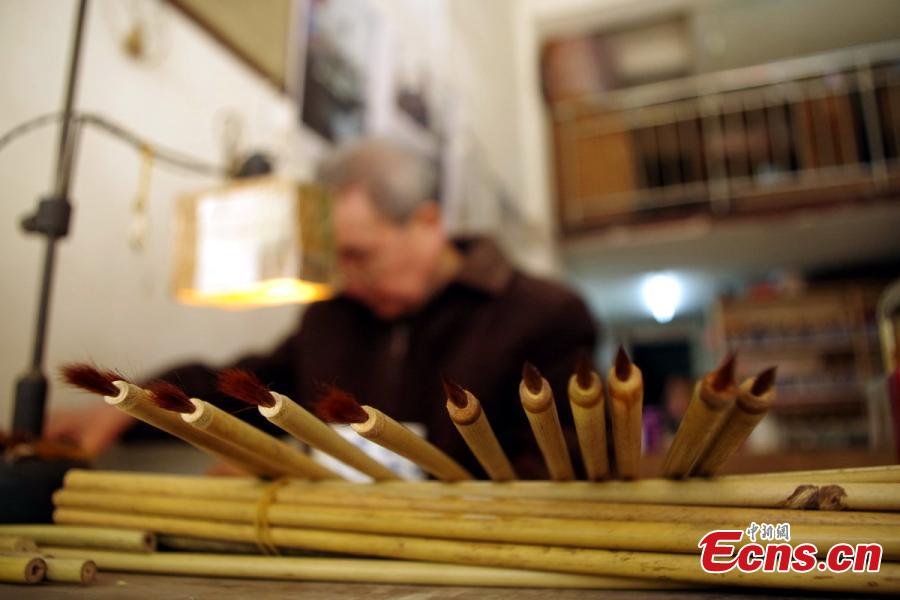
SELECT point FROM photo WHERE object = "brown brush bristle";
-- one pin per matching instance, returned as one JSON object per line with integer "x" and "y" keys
{"x": 170, "y": 397}
{"x": 623, "y": 364}
{"x": 455, "y": 393}
{"x": 763, "y": 382}
{"x": 90, "y": 378}
{"x": 532, "y": 378}
{"x": 337, "y": 406}
{"x": 245, "y": 386}
{"x": 723, "y": 376}
{"x": 583, "y": 371}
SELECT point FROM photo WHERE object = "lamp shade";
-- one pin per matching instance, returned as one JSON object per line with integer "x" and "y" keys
{"x": 254, "y": 242}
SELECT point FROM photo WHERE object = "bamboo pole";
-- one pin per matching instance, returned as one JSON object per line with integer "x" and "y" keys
{"x": 22, "y": 569}
{"x": 585, "y": 510}
{"x": 756, "y": 492}
{"x": 74, "y": 569}
{"x": 626, "y": 398}
{"x": 17, "y": 544}
{"x": 156, "y": 483}
{"x": 540, "y": 408}
{"x": 469, "y": 419}
{"x": 755, "y": 396}
{"x": 390, "y": 434}
{"x": 713, "y": 397}
{"x": 589, "y": 412}
{"x": 649, "y": 565}
{"x": 222, "y": 425}
{"x": 374, "y": 497}
{"x": 93, "y": 537}
{"x": 658, "y": 536}
{"x": 876, "y": 474}
{"x": 136, "y": 402}
{"x": 306, "y": 427}
{"x": 352, "y": 570}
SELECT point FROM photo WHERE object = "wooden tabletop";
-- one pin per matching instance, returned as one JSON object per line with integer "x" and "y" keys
{"x": 123, "y": 585}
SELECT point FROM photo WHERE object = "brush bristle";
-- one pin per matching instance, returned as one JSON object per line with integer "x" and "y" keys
{"x": 723, "y": 376}
{"x": 245, "y": 386}
{"x": 763, "y": 382}
{"x": 337, "y": 406}
{"x": 583, "y": 371}
{"x": 533, "y": 379}
{"x": 90, "y": 378}
{"x": 455, "y": 393}
{"x": 170, "y": 397}
{"x": 623, "y": 364}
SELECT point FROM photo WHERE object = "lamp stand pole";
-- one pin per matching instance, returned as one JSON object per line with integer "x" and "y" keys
{"x": 51, "y": 220}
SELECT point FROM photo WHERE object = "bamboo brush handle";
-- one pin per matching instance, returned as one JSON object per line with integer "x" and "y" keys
{"x": 185, "y": 486}
{"x": 473, "y": 426}
{"x": 626, "y": 399}
{"x": 353, "y": 570}
{"x": 136, "y": 402}
{"x": 878, "y": 474}
{"x": 540, "y": 409}
{"x": 650, "y": 536}
{"x": 306, "y": 427}
{"x": 94, "y": 537}
{"x": 390, "y": 434}
{"x": 74, "y": 569}
{"x": 22, "y": 569}
{"x": 781, "y": 493}
{"x": 705, "y": 416}
{"x": 757, "y": 491}
{"x": 276, "y": 453}
{"x": 589, "y": 413}
{"x": 651, "y": 565}
{"x": 609, "y": 511}
{"x": 17, "y": 544}
{"x": 739, "y": 422}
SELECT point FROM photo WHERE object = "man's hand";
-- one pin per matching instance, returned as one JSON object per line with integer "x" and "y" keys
{"x": 94, "y": 429}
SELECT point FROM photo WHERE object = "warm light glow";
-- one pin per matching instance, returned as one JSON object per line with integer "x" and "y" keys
{"x": 265, "y": 293}
{"x": 661, "y": 293}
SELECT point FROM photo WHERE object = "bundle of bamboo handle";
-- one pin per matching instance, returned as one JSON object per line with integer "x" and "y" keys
{"x": 659, "y": 536}
{"x": 589, "y": 413}
{"x": 754, "y": 397}
{"x": 352, "y": 570}
{"x": 713, "y": 396}
{"x": 626, "y": 400}
{"x": 22, "y": 569}
{"x": 471, "y": 422}
{"x": 107, "y": 538}
{"x": 650, "y": 565}
{"x": 540, "y": 408}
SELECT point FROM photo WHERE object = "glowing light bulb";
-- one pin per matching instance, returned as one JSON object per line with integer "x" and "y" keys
{"x": 661, "y": 293}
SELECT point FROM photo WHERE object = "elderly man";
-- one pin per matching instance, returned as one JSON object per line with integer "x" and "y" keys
{"x": 416, "y": 306}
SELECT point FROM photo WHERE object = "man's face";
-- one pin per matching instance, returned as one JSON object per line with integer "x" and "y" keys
{"x": 384, "y": 265}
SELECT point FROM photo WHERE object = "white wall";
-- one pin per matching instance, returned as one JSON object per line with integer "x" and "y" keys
{"x": 112, "y": 304}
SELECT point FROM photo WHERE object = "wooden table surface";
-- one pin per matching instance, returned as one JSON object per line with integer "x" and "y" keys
{"x": 124, "y": 585}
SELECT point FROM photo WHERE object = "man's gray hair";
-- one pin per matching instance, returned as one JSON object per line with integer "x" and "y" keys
{"x": 397, "y": 179}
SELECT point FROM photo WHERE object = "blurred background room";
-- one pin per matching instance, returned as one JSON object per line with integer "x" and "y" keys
{"x": 710, "y": 175}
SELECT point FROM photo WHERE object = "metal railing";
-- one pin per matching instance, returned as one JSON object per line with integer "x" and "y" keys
{"x": 757, "y": 138}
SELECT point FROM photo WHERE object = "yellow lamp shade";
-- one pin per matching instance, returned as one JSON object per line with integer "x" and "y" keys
{"x": 255, "y": 242}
